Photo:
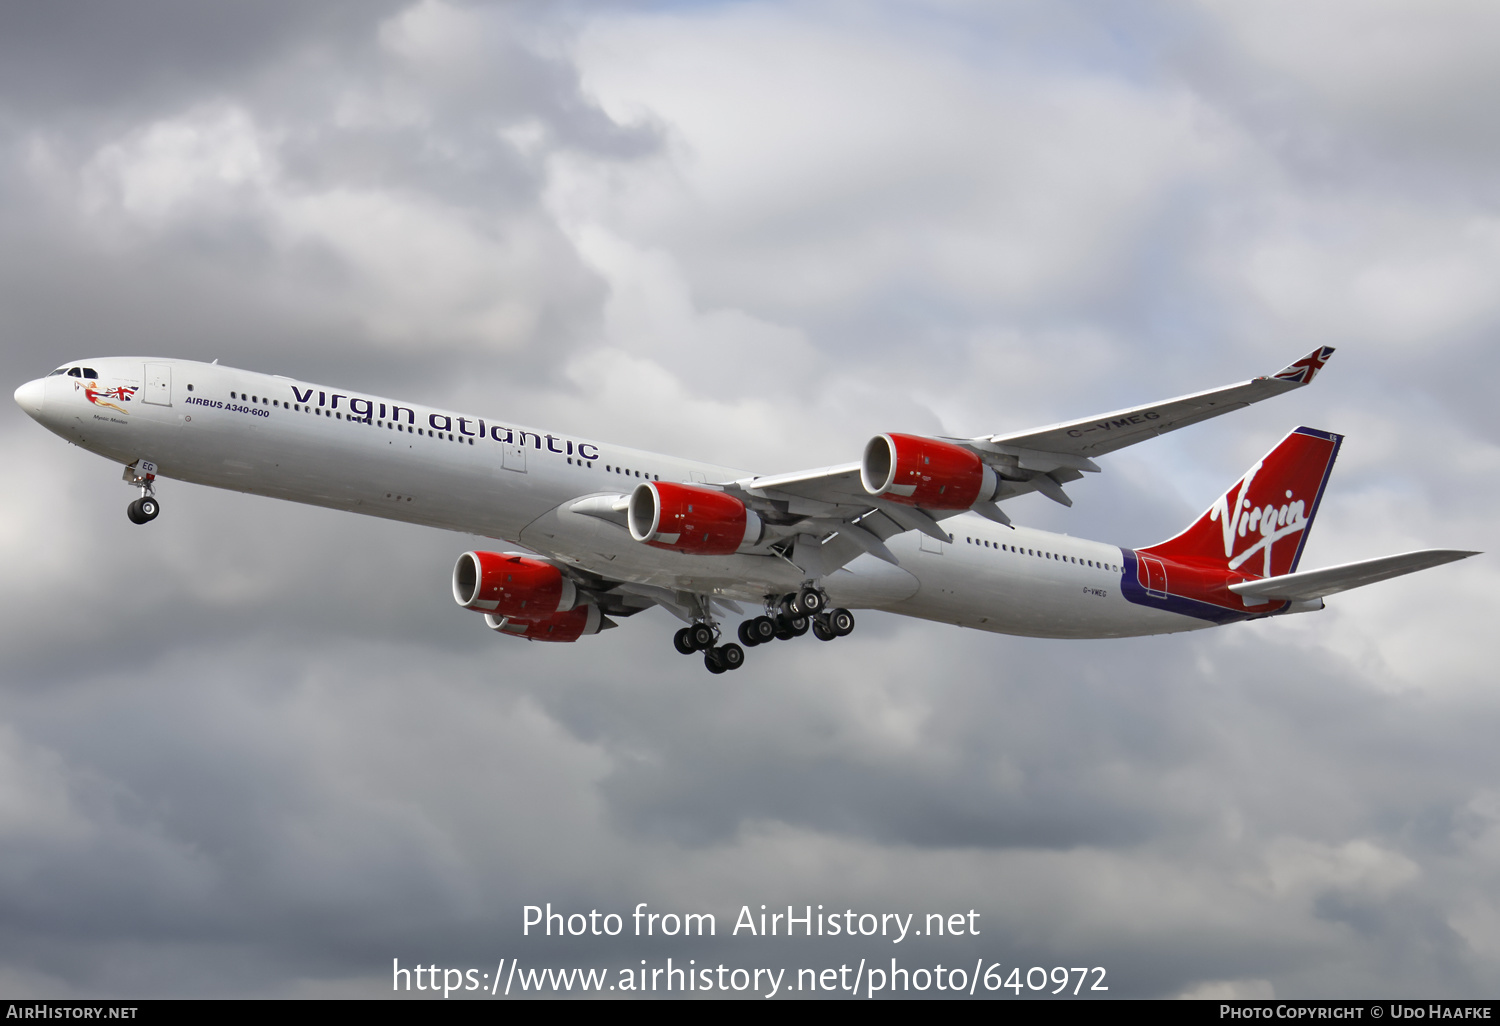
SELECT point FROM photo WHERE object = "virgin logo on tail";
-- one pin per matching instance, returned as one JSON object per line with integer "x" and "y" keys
{"x": 1275, "y": 500}
{"x": 1270, "y": 522}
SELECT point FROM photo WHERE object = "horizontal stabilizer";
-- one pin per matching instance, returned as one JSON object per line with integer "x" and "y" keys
{"x": 1311, "y": 584}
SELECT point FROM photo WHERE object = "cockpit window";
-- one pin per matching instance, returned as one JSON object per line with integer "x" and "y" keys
{"x": 74, "y": 372}
{"x": 89, "y": 372}
{"x": 60, "y": 370}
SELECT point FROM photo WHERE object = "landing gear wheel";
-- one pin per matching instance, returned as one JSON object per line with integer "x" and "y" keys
{"x": 712, "y": 662}
{"x": 747, "y": 634}
{"x": 810, "y": 600}
{"x": 795, "y": 626}
{"x": 143, "y": 510}
{"x": 840, "y": 622}
{"x": 763, "y": 629}
{"x": 702, "y": 634}
{"x": 731, "y": 656}
{"x": 683, "y": 641}
{"x": 820, "y": 630}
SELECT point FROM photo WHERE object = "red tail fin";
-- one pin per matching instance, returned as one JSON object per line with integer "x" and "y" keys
{"x": 1260, "y": 525}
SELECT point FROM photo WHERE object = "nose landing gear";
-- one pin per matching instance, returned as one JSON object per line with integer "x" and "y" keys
{"x": 142, "y": 474}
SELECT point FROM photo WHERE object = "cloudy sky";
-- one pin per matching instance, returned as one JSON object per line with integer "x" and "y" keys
{"x": 253, "y": 749}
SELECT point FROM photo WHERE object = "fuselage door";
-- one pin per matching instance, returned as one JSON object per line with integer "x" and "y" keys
{"x": 514, "y": 458}
{"x": 1156, "y": 576}
{"x": 158, "y": 390}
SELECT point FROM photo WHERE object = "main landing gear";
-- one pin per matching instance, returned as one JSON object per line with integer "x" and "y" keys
{"x": 142, "y": 475}
{"x": 787, "y": 617}
{"x": 702, "y": 637}
{"x": 793, "y": 615}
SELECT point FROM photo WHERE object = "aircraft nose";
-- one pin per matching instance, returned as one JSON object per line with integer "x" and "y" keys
{"x": 29, "y": 396}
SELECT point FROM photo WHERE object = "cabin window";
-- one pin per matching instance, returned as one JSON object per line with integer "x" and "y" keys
{"x": 190, "y": 388}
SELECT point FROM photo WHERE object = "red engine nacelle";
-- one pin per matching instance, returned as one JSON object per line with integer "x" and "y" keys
{"x": 508, "y": 584}
{"x": 569, "y": 626}
{"x": 916, "y": 471}
{"x": 699, "y": 521}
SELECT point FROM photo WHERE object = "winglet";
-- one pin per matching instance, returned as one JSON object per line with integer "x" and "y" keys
{"x": 1301, "y": 372}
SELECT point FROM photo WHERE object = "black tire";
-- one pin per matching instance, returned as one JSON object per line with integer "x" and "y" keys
{"x": 811, "y": 601}
{"x": 797, "y": 625}
{"x": 683, "y": 641}
{"x": 703, "y": 636}
{"x": 133, "y": 511}
{"x": 149, "y": 508}
{"x": 820, "y": 630}
{"x": 747, "y": 634}
{"x": 712, "y": 662}
{"x": 789, "y": 606}
{"x": 784, "y": 634}
{"x": 840, "y": 621}
{"x": 731, "y": 656}
{"x": 764, "y": 629}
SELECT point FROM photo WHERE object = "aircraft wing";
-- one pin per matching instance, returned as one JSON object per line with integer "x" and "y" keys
{"x": 1106, "y": 432}
{"x": 1039, "y": 459}
{"x": 1313, "y": 584}
{"x": 824, "y": 517}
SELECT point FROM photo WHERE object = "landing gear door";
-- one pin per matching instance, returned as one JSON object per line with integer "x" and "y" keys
{"x": 158, "y": 390}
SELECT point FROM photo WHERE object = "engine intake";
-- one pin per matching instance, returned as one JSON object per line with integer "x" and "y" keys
{"x": 917, "y": 471}
{"x": 509, "y": 584}
{"x": 685, "y": 518}
{"x": 567, "y": 626}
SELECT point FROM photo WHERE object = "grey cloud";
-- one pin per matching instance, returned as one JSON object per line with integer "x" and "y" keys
{"x": 84, "y": 56}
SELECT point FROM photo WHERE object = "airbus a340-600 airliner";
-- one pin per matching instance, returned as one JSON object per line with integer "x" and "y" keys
{"x": 914, "y": 526}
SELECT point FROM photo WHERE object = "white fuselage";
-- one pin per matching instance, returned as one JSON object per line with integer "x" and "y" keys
{"x": 289, "y": 439}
